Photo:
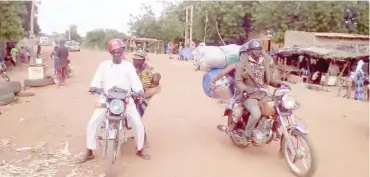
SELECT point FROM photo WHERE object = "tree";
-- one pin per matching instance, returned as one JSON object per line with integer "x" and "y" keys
{"x": 235, "y": 20}
{"x": 100, "y": 37}
{"x": 73, "y": 34}
{"x": 26, "y": 18}
{"x": 10, "y": 19}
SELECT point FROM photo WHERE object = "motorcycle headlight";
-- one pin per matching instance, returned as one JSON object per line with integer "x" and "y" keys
{"x": 116, "y": 106}
{"x": 288, "y": 102}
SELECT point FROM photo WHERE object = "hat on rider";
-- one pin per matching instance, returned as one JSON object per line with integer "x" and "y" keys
{"x": 254, "y": 44}
{"x": 140, "y": 55}
{"x": 115, "y": 44}
{"x": 244, "y": 48}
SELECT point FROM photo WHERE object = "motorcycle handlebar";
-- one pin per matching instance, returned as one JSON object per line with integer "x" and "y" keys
{"x": 129, "y": 94}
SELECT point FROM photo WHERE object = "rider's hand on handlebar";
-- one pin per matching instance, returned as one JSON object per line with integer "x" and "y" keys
{"x": 284, "y": 85}
{"x": 141, "y": 94}
{"x": 94, "y": 90}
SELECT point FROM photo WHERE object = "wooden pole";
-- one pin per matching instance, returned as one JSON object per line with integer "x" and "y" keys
{"x": 191, "y": 25}
{"x": 32, "y": 34}
{"x": 205, "y": 27}
{"x": 186, "y": 27}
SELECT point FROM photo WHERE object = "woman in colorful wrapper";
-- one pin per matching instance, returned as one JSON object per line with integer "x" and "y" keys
{"x": 149, "y": 79}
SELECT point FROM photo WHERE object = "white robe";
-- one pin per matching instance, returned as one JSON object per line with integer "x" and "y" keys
{"x": 123, "y": 76}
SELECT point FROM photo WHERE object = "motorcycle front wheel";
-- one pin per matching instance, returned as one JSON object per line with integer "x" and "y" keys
{"x": 110, "y": 157}
{"x": 301, "y": 154}
{"x": 238, "y": 137}
{"x": 5, "y": 76}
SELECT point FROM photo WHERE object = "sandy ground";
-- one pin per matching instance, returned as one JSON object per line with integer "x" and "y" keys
{"x": 181, "y": 124}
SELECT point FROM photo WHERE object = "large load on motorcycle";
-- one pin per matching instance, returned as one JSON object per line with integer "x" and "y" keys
{"x": 231, "y": 53}
{"x": 210, "y": 57}
{"x": 224, "y": 87}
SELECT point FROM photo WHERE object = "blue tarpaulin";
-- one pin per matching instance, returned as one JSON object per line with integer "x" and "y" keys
{"x": 186, "y": 53}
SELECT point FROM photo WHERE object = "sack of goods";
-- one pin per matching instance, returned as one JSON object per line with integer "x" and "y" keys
{"x": 224, "y": 87}
{"x": 209, "y": 57}
{"x": 231, "y": 53}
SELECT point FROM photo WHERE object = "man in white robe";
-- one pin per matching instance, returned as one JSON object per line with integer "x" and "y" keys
{"x": 122, "y": 74}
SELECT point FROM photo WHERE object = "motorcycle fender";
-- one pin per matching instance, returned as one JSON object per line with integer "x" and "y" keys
{"x": 112, "y": 133}
{"x": 298, "y": 128}
{"x": 227, "y": 112}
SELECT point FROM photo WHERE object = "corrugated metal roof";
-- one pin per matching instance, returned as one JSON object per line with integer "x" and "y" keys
{"x": 343, "y": 35}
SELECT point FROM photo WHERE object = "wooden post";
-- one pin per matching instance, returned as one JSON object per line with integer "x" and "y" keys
{"x": 341, "y": 73}
{"x": 32, "y": 34}
{"x": 191, "y": 25}
{"x": 327, "y": 74}
{"x": 186, "y": 27}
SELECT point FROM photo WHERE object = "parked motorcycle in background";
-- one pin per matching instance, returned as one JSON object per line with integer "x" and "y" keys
{"x": 276, "y": 123}
{"x": 3, "y": 73}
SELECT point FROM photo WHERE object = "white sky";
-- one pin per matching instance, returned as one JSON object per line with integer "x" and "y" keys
{"x": 58, "y": 15}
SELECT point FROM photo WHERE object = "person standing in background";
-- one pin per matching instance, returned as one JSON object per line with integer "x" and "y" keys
{"x": 61, "y": 63}
{"x": 359, "y": 81}
{"x": 14, "y": 53}
{"x": 38, "y": 50}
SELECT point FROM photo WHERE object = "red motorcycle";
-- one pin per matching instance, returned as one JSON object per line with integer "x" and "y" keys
{"x": 277, "y": 120}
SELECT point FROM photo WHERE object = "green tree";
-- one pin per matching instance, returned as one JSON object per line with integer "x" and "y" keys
{"x": 235, "y": 20}
{"x": 73, "y": 33}
{"x": 10, "y": 20}
{"x": 26, "y": 18}
{"x": 99, "y": 38}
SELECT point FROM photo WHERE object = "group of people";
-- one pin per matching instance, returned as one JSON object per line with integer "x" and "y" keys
{"x": 14, "y": 54}
{"x": 251, "y": 74}
{"x": 139, "y": 77}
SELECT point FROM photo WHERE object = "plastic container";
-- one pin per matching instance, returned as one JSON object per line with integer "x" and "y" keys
{"x": 224, "y": 87}
{"x": 231, "y": 53}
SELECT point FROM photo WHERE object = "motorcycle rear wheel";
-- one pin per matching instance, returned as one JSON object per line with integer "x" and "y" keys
{"x": 286, "y": 154}
{"x": 238, "y": 142}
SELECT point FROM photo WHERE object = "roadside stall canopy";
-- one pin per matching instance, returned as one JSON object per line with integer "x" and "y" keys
{"x": 340, "y": 53}
{"x": 148, "y": 43}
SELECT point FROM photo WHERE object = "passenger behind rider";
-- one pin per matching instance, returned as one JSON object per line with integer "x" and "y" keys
{"x": 252, "y": 74}
{"x": 229, "y": 71}
{"x": 148, "y": 78}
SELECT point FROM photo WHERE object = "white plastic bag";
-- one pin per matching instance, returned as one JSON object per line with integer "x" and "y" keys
{"x": 209, "y": 57}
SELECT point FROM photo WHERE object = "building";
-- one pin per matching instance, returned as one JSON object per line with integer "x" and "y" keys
{"x": 310, "y": 39}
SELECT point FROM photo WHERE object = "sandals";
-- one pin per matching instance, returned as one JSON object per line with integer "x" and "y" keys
{"x": 85, "y": 159}
{"x": 143, "y": 154}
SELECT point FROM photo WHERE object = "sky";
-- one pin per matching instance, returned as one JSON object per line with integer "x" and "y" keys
{"x": 58, "y": 15}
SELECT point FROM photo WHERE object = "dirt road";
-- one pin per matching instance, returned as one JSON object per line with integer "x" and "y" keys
{"x": 181, "y": 124}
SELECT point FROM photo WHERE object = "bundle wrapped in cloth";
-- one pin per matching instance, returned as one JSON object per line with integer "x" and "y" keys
{"x": 224, "y": 87}
{"x": 210, "y": 57}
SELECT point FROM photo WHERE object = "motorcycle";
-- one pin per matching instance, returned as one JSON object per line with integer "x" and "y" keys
{"x": 277, "y": 113}
{"x": 3, "y": 73}
{"x": 115, "y": 125}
